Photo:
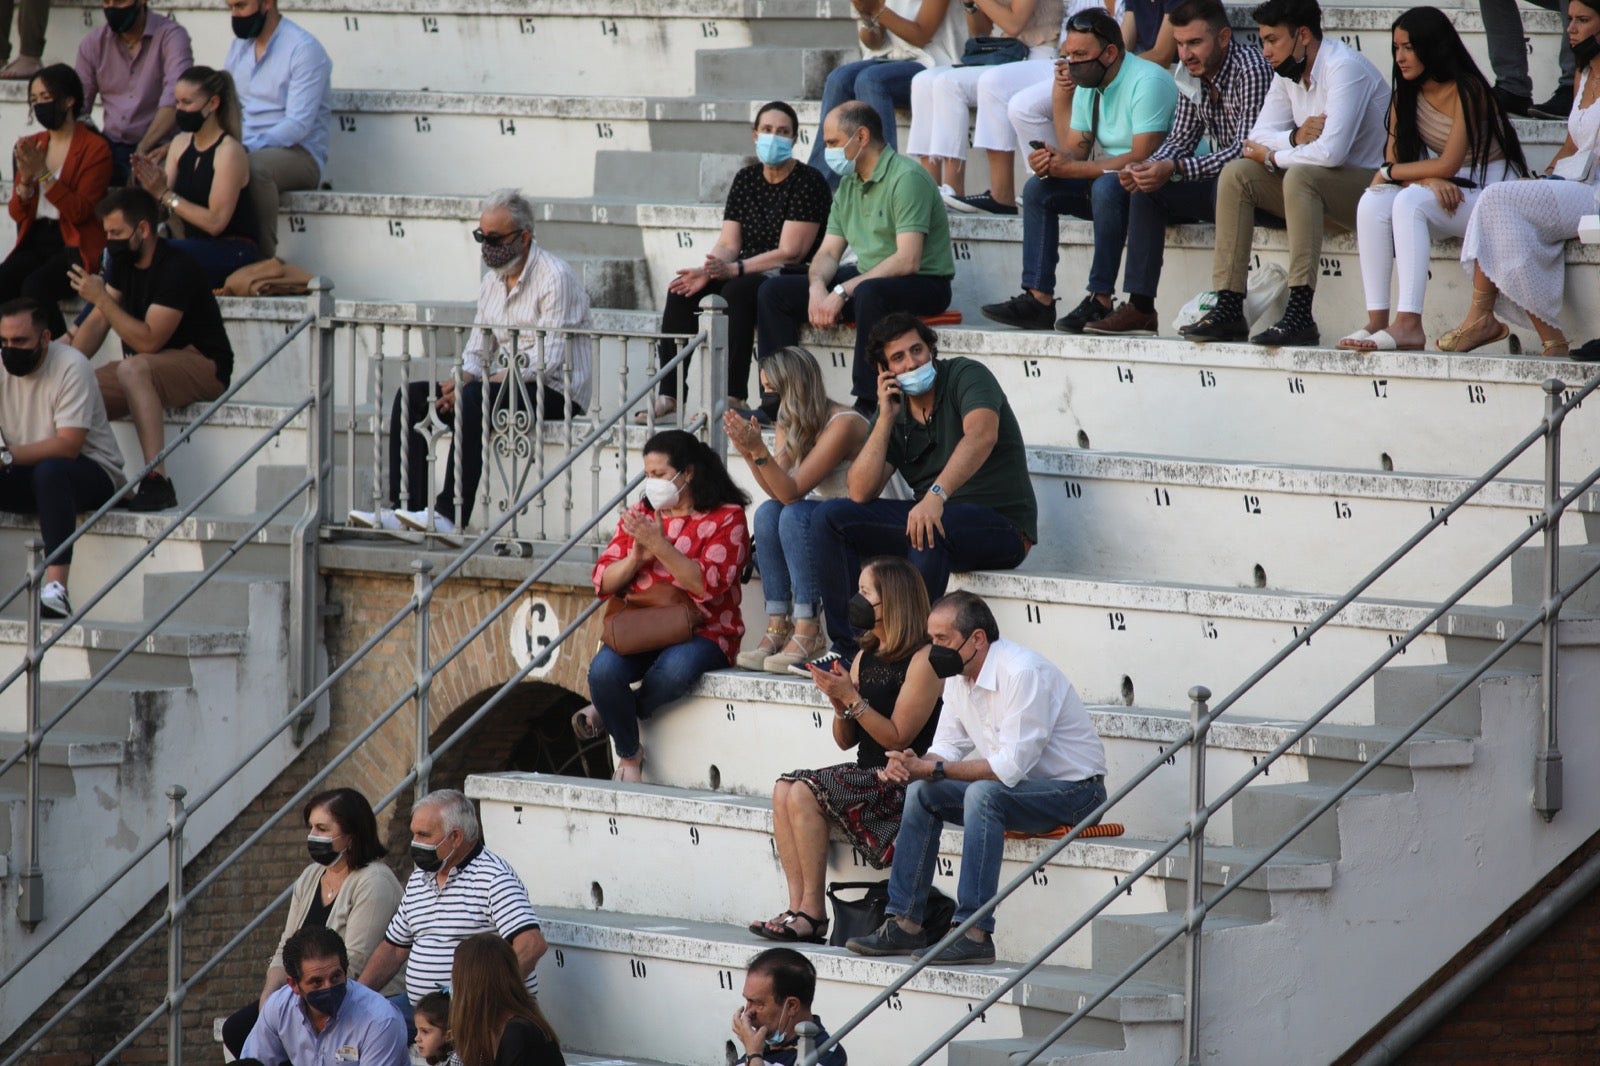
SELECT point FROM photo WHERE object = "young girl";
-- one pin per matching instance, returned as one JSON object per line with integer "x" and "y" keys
{"x": 432, "y": 1015}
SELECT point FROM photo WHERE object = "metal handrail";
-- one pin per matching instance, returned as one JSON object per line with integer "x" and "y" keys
{"x": 1547, "y": 430}
{"x": 178, "y": 903}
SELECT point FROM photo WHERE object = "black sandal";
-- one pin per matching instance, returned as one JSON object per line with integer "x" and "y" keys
{"x": 819, "y": 930}
{"x": 760, "y": 928}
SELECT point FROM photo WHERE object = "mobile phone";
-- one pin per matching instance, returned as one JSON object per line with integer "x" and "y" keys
{"x": 1036, "y": 145}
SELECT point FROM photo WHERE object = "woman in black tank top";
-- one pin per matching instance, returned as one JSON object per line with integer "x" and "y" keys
{"x": 205, "y": 184}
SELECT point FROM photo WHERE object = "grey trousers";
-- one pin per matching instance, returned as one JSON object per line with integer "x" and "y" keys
{"x": 32, "y": 15}
{"x": 1508, "y": 48}
{"x": 274, "y": 171}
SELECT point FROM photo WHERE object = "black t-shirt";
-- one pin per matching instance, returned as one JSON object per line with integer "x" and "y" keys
{"x": 524, "y": 1044}
{"x": 174, "y": 280}
{"x": 761, "y": 208}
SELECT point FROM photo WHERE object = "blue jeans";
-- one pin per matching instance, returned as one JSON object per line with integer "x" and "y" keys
{"x": 783, "y": 553}
{"x": 1149, "y": 215}
{"x": 986, "y": 809}
{"x": 1044, "y": 200}
{"x": 218, "y": 256}
{"x": 883, "y": 84}
{"x": 667, "y": 674}
{"x": 57, "y": 490}
{"x": 844, "y": 532}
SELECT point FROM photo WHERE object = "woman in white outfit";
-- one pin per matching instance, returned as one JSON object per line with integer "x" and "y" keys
{"x": 1448, "y": 140}
{"x": 942, "y": 97}
{"x": 1516, "y": 240}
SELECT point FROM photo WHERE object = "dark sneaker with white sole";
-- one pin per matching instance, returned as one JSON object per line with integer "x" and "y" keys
{"x": 888, "y": 939}
{"x": 1022, "y": 311}
{"x": 964, "y": 952}
{"x": 1090, "y": 310}
{"x": 979, "y": 203}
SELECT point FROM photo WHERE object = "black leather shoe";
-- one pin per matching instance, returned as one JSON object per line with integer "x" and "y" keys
{"x": 1089, "y": 310}
{"x": 1282, "y": 336}
{"x": 1559, "y": 106}
{"x": 1213, "y": 326}
{"x": 1511, "y": 103}
{"x": 1588, "y": 352}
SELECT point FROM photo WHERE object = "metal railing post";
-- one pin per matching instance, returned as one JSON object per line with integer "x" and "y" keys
{"x": 714, "y": 324}
{"x": 806, "y": 1040}
{"x": 176, "y": 819}
{"x": 30, "y": 898}
{"x": 423, "y": 601}
{"x": 305, "y": 580}
{"x": 1195, "y": 919}
{"x": 1547, "y": 783}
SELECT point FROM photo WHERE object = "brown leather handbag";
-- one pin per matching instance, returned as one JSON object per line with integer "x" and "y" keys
{"x": 659, "y": 617}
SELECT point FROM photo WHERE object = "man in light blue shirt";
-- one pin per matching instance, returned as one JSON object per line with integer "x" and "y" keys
{"x": 320, "y": 1018}
{"x": 285, "y": 82}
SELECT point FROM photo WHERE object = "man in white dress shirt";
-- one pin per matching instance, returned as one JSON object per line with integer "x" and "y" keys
{"x": 527, "y": 296}
{"x": 1310, "y": 156}
{"x": 1015, "y": 749}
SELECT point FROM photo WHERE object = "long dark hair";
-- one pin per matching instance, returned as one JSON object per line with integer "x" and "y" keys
{"x": 354, "y": 814}
{"x": 486, "y": 992}
{"x": 1444, "y": 58}
{"x": 711, "y": 486}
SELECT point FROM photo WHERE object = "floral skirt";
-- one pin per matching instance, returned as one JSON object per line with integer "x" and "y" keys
{"x": 868, "y": 810}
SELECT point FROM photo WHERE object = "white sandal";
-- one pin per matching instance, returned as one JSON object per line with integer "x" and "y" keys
{"x": 1347, "y": 341}
{"x": 662, "y": 406}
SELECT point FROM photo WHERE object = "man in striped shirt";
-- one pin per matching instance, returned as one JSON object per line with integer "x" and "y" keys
{"x": 1174, "y": 184}
{"x": 458, "y": 888}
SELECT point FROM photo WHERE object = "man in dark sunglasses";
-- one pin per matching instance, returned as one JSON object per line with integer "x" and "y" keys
{"x": 1105, "y": 99}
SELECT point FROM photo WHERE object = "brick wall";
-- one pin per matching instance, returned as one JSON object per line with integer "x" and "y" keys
{"x": 526, "y": 731}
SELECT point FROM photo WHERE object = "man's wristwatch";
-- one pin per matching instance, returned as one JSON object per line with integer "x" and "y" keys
{"x": 6, "y": 458}
{"x": 838, "y": 290}
{"x": 938, "y": 770}
{"x": 937, "y": 489}
{"x": 1266, "y": 161}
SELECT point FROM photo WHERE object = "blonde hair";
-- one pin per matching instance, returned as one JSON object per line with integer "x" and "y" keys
{"x": 803, "y": 409}
{"x": 218, "y": 83}
{"x": 903, "y": 602}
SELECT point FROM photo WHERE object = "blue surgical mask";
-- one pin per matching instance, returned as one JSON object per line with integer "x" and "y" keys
{"x": 774, "y": 150}
{"x": 327, "y": 1000}
{"x": 779, "y": 1036}
{"x": 918, "y": 381}
{"x": 839, "y": 162}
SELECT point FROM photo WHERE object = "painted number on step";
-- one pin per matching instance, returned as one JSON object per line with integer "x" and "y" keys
{"x": 1341, "y": 509}
{"x": 561, "y": 958}
{"x": 1527, "y": 42}
{"x": 1568, "y": 396}
{"x": 1255, "y": 760}
{"x": 1073, "y": 490}
{"x": 725, "y": 979}
{"x": 1118, "y": 621}
{"x": 636, "y": 968}
{"x": 1297, "y": 386}
{"x": 526, "y": 26}
{"x": 508, "y": 127}
{"x": 694, "y": 835}
{"x": 347, "y": 123}
{"x": 1351, "y": 40}
{"x": 423, "y": 123}
{"x": 685, "y": 238}
{"x": 1034, "y": 613}
{"x": 1125, "y": 375}
{"x": 1208, "y": 379}
{"x": 838, "y": 360}
{"x": 1435, "y": 512}
{"x": 608, "y": 28}
{"x": 894, "y": 1002}
{"x": 1040, "y": 878}
{"x": 88, "y": 17}
{"x": 729, "y": 706}
{"x": 1380, "y": 388}
{"x": 604, "y": 131}
{"x": 612, "y": 828}
{"x": 1331, "y": 268}
{"x": 397, "y": 227}
{"x": 1208, "y": 629}
{"x": 1125, "y": 886}
{"x": 816, "y": 719}
{"x": 709, "y": 29}
{"x": 1299, "y": 630}
{"x": 1252, "y": 504}
{"x": 430, "y": 24}
{"x": 297, "y": 224}
{"x": 1394, "y": 642}
{"x": 803, "y": 137}
{"x": 960, "y": 250}
{"x": 946, "y": 867}
{"x": 1163, "y": 498}
{"x": 856, "y": 858}
{"x": 1475, "y": 394}
{"x": 352, "y": 24}
{"x": 1171, "y": 755}
{"x": 983, "y": 1015}
{"x": 1031, "y": 369}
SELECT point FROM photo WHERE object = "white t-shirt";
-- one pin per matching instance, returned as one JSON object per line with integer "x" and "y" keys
{"x": 61, "y": 393}
{"x": 943, "y": 48}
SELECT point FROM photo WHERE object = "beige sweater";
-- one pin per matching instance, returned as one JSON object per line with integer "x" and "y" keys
{"x": 361, "y": 912}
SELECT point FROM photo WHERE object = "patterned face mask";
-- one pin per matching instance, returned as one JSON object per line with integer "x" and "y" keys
{"x": 496, "y": 256}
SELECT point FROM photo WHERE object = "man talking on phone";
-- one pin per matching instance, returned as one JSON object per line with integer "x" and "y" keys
{"x": 946, "y": 426}
{"x": 1104, "y": 97}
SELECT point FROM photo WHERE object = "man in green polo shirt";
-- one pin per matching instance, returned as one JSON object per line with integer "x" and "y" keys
{"x": 947, "y": 427}
{"x": 889, "y": 212}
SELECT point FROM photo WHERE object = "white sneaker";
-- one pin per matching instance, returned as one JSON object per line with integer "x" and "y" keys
{"x": 53, "y": 601}
{"x": 383, "y": 519}
{"x": 426, "y": 520}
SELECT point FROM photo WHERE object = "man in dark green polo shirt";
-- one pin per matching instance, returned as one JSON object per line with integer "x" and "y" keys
{"x": 889, "y": 212}
{"x": 948, "y": 428}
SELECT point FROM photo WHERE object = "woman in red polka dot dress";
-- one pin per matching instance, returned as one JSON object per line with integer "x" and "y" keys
{"x": 689, "y": 530}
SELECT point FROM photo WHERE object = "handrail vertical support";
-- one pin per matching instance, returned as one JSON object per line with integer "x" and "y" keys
{"x": 305, "y": 580}
{"x": 1547, "y": 782}
{"x": 1196, "y": 917}
{"x": 422, "y": 602}
{"x": 714, "y": 324}
{"x": 806, "y": 1040}
{"x": 176, "y": 819}
{"x": 30, "y": 899}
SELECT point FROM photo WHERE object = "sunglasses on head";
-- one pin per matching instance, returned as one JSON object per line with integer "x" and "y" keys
{"x": 494, "y": 240}
{"x": 1096, "y": 23}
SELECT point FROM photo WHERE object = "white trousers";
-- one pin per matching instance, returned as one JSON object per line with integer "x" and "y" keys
{"x": 1395, "y": 230}
{"x": 942, "y": 99}
{"x": 1032, "y": 115}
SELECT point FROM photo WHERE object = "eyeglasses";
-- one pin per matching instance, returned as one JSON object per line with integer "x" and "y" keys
{"x": 494, "y": 240}
{"x": 918, "y": 449}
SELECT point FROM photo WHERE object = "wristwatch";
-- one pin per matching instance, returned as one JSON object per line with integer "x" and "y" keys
{"x": 937, "y": 489}
{"x": 838, "y": 290}
{"x": 938, "y": 770}
{"x": 1266, "y": 161}
{"x": 6, "y": 458}
{"x": 1387, "y": 171}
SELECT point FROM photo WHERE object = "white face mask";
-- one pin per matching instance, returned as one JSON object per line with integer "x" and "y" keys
{"x": 662, "y": 492}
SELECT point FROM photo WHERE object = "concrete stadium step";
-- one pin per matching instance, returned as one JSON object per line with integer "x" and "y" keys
{"x": 167, "y": 657}
{"x": 1265, "y": 812}
{"x": 1122, "y": 938}
{"x": 570, "y": 825}
{"x": 116, "y": 707}
{"x": 691, "y": 970}
{"x": 223, "y": 600}
{"x": 698, "y": 177}
{"x": 61, "y": 755}
{"x": 1016, "y": 1050}
{"x": 770, "y": 73}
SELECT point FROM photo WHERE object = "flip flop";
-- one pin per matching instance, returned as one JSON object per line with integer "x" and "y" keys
{"x": 1383, "y": 341}
{"x": 585, "y": 727}
{"x": 1347, "y": 341}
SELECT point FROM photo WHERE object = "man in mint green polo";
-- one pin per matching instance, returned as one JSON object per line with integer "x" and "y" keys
{"x": 888, "y": 211}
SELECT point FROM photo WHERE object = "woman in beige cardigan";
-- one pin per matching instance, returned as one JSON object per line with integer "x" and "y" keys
{"x": 345, "y": 888}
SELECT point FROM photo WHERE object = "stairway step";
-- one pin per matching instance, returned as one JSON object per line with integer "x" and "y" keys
{"x": 224, "y": 600}
{"x": 1120, "y": 939}
{"x": 1264, "y": 813}
{"x": 697, "y": 177}
{"x": 117, "y": 707}
{"x": 766, "y": 73}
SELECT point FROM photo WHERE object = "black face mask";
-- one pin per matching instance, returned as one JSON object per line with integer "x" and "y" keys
{"x": 189, "y": 121}
{"x": 249, "y": 27}
{"x": 20, "y": 362}
{"x": 1585, "y": 50}
{"x": 122, "y": 251}
{"x": 123, "y": 19}
{"x": 947, "y": 662}
{"x": 1292, "y": 68}
{"x": 769, "y": 405}
{"x": 426, "y": 857}
{"x": 322, "y": 851}
{"x": 1089, "y": 73}
{"x": 861, "y": 613}
{"x": 49, "y": 114}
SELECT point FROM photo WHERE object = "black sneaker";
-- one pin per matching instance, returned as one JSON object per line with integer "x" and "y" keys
{"x": 1286, "y": 336}
{"x": 1558, "y": 106}
{"x": 889, "y": 939}
{"x": 964, "y": 952}
{"x": 979, "y": 203}
{"x": 1513, "y": 103}
{"x": 155, "y": 494}
{"x": 1090, "y": 310}
{"x": 823, "y": 663}
{"x": 1021, "y": 311}
{"x": 1215, "y": 326}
